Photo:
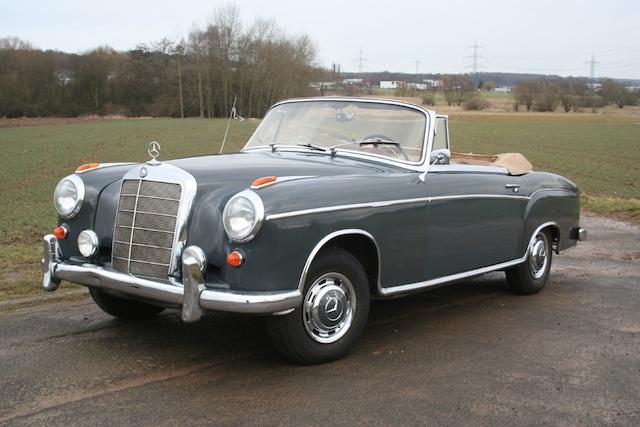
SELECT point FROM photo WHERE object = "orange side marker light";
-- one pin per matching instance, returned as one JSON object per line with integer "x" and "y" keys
{"x": 235, "y": 259}
{"x": 87, "y": 166}
{"x": 60, "y": 232}
{"x": 264, "y": 181}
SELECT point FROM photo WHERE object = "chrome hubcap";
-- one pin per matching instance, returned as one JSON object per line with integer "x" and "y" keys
{"x": 329, "y": 307}
{"x": 538, "y": 256}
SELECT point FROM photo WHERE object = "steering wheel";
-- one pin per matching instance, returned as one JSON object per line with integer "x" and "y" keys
{"x": 382, "y": 138}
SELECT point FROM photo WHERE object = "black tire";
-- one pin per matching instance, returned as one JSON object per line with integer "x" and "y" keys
{"x": 123, "y": 308}
{"x": 526, "y": 278}
{"x": 291, "y": 334}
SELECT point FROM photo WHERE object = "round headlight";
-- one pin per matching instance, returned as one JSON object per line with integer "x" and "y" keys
{"x": 242, "y": 216}
{"x": 68, "y": 196}
{"x": 87, "y": 243}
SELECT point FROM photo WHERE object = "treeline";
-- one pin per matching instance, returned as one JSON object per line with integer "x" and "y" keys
{"x": 571, "y": 94}
{"x": 536, "y": 95}
{"x": 199, "y": 75}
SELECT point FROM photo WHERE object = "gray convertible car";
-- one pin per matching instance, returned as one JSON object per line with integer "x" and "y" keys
{"x": 332, "y": 202}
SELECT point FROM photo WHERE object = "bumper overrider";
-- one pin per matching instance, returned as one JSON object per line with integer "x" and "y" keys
{"x": 191, "y": 294}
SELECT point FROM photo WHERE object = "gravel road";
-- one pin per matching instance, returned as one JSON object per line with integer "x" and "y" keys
{"x": 470, "y": 353}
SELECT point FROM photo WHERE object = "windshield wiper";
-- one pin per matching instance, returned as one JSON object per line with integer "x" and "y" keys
{"x": 274, "y": 146}
{"x": 312, "y": 147}
{"x": 377, "y": 142}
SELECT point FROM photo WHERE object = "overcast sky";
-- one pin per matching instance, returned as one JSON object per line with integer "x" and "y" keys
{"x": 540, "y": 36}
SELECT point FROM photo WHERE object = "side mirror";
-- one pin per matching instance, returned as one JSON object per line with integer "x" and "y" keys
{"x": 437, "y": 157}
{"x": 440, "y": 157}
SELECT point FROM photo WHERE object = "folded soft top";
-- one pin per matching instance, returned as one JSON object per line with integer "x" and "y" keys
{"x": 515, "y": 163}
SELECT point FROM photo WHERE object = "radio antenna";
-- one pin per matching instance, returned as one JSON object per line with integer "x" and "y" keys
{"x": 232, "y": 115}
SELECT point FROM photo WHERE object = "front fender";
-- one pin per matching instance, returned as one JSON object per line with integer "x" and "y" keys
{"x": 276, "y": 257}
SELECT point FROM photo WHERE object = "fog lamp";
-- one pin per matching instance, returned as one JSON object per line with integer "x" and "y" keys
{"x": 88, "y": 243}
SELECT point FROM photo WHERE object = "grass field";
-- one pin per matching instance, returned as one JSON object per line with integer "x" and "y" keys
{"x": 601, "y": 153}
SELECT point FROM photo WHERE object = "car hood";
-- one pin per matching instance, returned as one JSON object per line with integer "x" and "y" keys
{"x": 242, "y": 168}
{"x": 218, "y": 177}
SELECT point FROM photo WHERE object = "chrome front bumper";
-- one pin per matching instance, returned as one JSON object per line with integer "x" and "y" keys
{"x": 191, "y": 295}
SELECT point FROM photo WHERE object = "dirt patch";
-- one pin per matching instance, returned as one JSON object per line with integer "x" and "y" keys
{"x": 47, "y": 121}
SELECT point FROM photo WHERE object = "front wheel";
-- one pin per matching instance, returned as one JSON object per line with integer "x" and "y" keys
{"x": 531, "y": 276}
{"x": 333, "y": 315}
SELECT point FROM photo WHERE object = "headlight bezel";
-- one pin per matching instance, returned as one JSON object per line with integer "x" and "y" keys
{"x": 80, "y": 191}
{"x": 258, "y": 210}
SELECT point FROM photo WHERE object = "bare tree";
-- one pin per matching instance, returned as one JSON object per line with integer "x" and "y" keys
{"x": 488, "y": 86}
{"x": 456, "y": 88}
{"x": 523, "y": 94}
{"x": 14, "y": 43}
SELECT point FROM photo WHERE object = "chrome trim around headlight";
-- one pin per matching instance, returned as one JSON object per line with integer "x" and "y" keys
{"x": 258, "y": 208}
{"x": 79, "y": 184}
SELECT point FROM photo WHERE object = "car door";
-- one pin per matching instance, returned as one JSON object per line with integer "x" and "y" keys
{"x": 475, "y": 215}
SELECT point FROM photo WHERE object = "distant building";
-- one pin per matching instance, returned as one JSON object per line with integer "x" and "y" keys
{"x": 594, "y": 86}
{"x": 432, "y": 83}
{"x": 324, "y": 85}
{"x": 389, "y": 84}
{"x": 419, "y": 86}
{"x": 352, "y": 81}
{"x": 503, "y": 89}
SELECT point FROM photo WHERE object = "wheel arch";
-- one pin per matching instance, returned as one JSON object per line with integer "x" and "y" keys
{"x": 359, "y": 243}
{"x": 554, "y": 229}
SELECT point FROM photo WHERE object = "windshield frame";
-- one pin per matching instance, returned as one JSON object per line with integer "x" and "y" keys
{"x": 417, "y": 165}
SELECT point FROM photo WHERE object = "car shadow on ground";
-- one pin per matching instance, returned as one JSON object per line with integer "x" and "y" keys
{"x": 220, "y": 336}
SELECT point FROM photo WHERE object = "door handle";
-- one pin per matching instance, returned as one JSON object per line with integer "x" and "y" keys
{"x": 514, "y": 187}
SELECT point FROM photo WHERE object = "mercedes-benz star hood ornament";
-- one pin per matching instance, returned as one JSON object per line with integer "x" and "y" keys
{"x": 154, "y": 152}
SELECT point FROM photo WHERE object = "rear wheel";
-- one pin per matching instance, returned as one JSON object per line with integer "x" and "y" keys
{"x": 123, "y": 308}
{"x": 333, "y": 315}
{"x": 531, "y": 276}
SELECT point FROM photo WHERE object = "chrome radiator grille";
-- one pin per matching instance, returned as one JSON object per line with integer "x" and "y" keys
{"x": 145, "y": 228}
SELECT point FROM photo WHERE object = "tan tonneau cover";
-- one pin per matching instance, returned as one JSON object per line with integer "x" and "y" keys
{"x": 515, "y": 163}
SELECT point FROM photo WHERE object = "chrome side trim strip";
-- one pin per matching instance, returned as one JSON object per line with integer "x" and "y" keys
{"x": 478, "y": 196}
{"x": 344, "y": 207}
{"x": 440, "y": 281}
{"x": 446, "y": 279}
{"x": 388, "y": 203}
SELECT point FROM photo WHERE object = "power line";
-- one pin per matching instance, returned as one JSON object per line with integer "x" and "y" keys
{"x": 592, "y": 66}
{"x": 475, "y": 60}
{"x": 360, "y": 59}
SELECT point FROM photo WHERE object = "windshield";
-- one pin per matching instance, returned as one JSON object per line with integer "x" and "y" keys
{"x": 388, "y": 130}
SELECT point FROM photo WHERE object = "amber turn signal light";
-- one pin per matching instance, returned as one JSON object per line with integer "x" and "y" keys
{"x": 60, "y": 232}
{"x": 261, "y": 182}
{"x": 235, "y": 259}
{"x": 87, "y": 166}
